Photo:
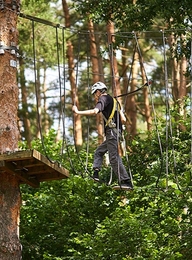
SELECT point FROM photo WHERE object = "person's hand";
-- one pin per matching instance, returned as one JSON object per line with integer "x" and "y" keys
{"x": 75, "y": 109}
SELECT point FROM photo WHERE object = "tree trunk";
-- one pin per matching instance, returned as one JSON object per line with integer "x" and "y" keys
{"x": 114, "y": 68}
{"x": 113, "y": 60}
{"x": 179, "y": 89}
{"x": 146, "y": 98}
{"x": 45, "y": 107}
{"x": 10, "y": 201}
{"x": 77, "y": 118}
{"x": 96, "y": 75}
{"x": 131, "y": 110}
{"x": 10, "y": 198}
{"x": 75, "y": 100}
{"x": 38, "y": 97}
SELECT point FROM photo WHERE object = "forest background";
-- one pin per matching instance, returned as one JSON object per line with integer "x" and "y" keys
{"x": 63, "y": 51}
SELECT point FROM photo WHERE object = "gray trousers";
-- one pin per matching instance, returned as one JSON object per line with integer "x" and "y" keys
{"x": 110, "y": 145}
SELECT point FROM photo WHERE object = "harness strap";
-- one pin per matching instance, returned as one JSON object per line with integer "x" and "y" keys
{"x": 112, "y": 112}
{"x": 111, "y": 119}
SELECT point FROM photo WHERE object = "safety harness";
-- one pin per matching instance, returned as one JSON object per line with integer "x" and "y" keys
{"x": 109, "y": 122}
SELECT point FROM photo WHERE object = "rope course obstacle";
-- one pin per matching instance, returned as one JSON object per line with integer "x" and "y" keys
{"x": 82, "y": 70}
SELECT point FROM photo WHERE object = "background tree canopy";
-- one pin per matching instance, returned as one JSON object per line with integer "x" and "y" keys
{"x": 77, "y": 218}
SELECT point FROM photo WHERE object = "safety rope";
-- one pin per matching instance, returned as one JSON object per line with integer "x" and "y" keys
{"x": 123, "y": 142}
{"x": 191, "y": 101}
{"x": 74, "y": 102}
{"x": 129, "y": 79}
{"x": 168, "y": 119}
{"x": 111, "y": 58}
{"x": 167, "y": 103}
{"x": 148, "y": 83}
{"x": 169, "y": 130}
{"x": 187, "y": 188}
{"x": 37, "y": 95}
{"x": 62, "y": 96}
{"x": 59, "y": 73}
{"x": 88, "y": 98}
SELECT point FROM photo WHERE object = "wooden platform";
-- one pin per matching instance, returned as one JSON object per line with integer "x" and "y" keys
{"x": 31, "y": 167}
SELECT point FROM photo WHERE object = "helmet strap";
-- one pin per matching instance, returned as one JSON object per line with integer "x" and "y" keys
{"x": 103, "y": 91}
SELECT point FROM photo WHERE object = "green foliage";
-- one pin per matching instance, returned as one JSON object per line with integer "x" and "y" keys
{"x": 47, "y": 145}
{"x": 139, "y": 15}
{"x": 79, "y": 219}
{"x": 60, "y": 211}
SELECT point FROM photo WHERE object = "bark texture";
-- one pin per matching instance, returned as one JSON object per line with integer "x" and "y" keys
{"x": 10, "y": 198}
{"x": 8, "y": 82}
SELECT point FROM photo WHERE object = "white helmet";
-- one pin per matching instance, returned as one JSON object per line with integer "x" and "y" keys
{"x": 98, "y": 86}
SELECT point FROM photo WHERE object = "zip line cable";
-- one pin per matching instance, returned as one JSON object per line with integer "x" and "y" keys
{"x": 119, "y": 33}
{"x": 40, "y": 20}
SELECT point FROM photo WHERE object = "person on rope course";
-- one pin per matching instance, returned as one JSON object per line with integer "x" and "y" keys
{"x": 113, "y": 119}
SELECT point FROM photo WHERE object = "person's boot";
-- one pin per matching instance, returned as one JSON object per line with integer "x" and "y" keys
{"x": 127, "y": 184}
{"x": 124, "y": 185}
{"x": 95, "y": 176}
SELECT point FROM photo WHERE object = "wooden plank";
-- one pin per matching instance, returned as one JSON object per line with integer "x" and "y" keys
{"x": 32, "y": 167}
{"x": 30, "y": 164}
{"x": 54, "y": 166}
{"x": 50, "y": 177}
{"x": 39, "y": 170}
{"x": 23, "y": 176}
{"x": 18, "y": 155}
{"x": 28, "y": 154}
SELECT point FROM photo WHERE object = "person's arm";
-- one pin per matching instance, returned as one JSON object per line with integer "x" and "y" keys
{"x": 93, "y": 111}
